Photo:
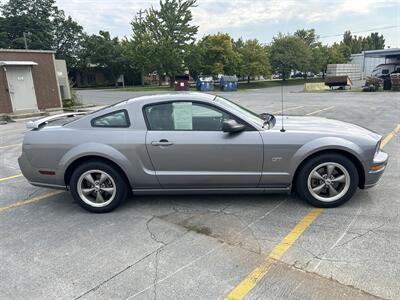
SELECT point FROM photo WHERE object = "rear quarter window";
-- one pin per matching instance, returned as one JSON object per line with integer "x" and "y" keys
{"x": 115, "y": 119}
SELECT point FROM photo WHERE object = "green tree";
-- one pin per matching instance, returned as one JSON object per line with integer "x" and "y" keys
{"x": 170, "y": 33}
{"x": 102, "y": 51}
{"x": 309, "y": 37}
{"x": 254, "y": 60}
{"x": 33, "y": 16}
{"x": 140, "y": 49}
{"x": 376, "y": 41}
{"x": 287, "y": 53}
{"x": 319, "y": 58}
{"x": 357, "y": 44}
{"x": 67, "y": 38}
{"x": 338, "y": 54}
{"x": 45, "y": 26}
{"x": 4, "y": 42}
{"x": 219, "y": 55}
{"x": 194, "y": 59}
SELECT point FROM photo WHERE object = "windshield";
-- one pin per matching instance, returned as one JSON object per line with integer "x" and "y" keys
{"x": 240, "y": 110}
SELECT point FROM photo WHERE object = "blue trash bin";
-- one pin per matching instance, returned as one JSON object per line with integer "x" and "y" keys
{"x": 228, "y": 83}
{"x": 205, "y": 83}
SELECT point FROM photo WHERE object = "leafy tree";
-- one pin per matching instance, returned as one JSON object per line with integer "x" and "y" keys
{"x": 376, "y": 41}
{"x": 3, "y": 34}
{"x": 140, "y": 50}
{"x": 319, "y": 58}
{"x": 357, "y": 44}
{"x": 46, "y": 27}
{"x": 309, "y": 37}
{"x": 254, "y": 58}
{"x": 287, "y": 53}
{"x": 33, "y": 16}
{"x": 102, "y": 51}
{"x": 219, "y": 56}
{"x": 67, "y": 38}
{"x": 169, "y": 34}
{"x": 194, "y": 59}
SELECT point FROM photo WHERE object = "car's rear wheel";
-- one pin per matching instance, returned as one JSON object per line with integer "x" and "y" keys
{"x": 327, "y": 180}
{"x": 98, "y": 187}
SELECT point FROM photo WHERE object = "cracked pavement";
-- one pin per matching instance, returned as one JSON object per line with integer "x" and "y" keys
{"x": 201, "y": 246}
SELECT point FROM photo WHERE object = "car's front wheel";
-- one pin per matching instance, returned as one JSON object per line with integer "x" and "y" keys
{"x": 327, "y": 180}
{"x": 98, "y": 187}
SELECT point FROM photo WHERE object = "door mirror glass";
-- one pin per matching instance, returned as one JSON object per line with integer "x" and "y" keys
{"x": 232, "y": 126}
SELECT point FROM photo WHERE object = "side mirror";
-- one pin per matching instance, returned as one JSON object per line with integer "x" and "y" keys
{"x": 232, "y": 126}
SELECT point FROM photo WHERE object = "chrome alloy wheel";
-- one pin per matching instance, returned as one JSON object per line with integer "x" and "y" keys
{"x": 328, "y": 182}
{"x": 96, "y": 188}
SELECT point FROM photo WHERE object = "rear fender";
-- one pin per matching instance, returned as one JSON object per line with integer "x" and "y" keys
{"x": 97, "y": 149}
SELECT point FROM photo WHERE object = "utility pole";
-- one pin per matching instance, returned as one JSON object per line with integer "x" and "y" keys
{"x": 140, "y": 18}
{"x": 25, "y": 34}
{"x": 140, "y": 13}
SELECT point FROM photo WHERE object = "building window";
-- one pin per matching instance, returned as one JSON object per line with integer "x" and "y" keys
{"x": 91, "y": 78}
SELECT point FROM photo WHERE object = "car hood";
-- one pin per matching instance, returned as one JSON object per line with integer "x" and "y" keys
{"x": 324, "y": 126}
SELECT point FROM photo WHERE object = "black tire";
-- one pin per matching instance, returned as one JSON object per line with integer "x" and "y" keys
{"x": 301, "y": 183}
{"x": 121, "y": 185}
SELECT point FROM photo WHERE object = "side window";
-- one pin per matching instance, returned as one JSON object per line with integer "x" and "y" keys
{"x": 185, "y": 116}
{"x": 385, "y": 71}
{"x": 114, "y": 119}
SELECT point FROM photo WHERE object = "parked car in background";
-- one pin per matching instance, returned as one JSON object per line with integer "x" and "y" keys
{"x": 198, "y": 143}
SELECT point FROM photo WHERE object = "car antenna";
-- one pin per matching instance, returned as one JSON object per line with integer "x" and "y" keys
{"x": 283, "y": 127}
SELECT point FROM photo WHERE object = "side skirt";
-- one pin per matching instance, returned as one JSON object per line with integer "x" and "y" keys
{"x": 270, "y": 190}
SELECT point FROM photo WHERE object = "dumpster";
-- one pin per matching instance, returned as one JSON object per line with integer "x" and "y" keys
{"x": 205, "y": 83}
{"x": 181, "y": 82}
{"x": 338, "y": 81}
{"x": 228, "y": 83}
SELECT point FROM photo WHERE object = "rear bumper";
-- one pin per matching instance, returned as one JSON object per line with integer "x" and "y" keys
{"x": 375, "y": 171}
{"x": 34, "y": 177}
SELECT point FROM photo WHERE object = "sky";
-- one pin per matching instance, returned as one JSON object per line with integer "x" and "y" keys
{"x": 261, "y": 19}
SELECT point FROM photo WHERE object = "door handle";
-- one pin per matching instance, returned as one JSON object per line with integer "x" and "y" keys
{"x": 162, "y": 142}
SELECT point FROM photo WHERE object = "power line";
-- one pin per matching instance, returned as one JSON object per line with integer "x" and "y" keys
{"x": 361, "y": 31}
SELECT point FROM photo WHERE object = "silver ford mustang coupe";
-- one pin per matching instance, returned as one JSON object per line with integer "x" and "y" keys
{"x": 198, "y": 143}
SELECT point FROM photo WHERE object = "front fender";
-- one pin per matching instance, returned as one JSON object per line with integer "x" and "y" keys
{"x": 96, "y": 149}
{"x": 321, "y": 144}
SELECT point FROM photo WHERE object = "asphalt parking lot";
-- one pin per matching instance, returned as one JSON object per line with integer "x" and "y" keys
{"x": 208, "y": 247}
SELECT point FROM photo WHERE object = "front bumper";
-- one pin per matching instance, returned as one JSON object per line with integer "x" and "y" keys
{"x": 376, "y": 169}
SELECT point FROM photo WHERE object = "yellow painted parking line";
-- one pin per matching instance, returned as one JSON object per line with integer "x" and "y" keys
{"x": 244, "y": 287}
{"x": 8, "y": 146}
{"x": 320, "y": 110}
{"x": 31, "y": 200}
{"x": 390, "y": 136}
{"x": 247, "y": 284}
{"x": 10, "y": 177}
{"x": 287, "y": 109}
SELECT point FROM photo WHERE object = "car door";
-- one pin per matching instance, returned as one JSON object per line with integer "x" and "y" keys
{"x": 188, "y": 148}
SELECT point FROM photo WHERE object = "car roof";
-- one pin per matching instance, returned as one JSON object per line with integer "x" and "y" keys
{"x": 172, "y": 96}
